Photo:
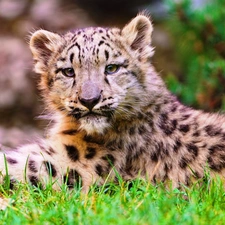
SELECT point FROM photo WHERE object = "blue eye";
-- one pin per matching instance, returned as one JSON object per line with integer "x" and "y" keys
{"x": 68, "y": 72}
{"x": 111, "y": 69}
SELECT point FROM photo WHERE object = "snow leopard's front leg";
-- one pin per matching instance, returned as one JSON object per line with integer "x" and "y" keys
{"x": 31, "y": 163}
{"x": 44, "y": 163}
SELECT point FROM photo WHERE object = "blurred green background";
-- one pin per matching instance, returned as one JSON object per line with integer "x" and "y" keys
{"x": 189, "y": 40}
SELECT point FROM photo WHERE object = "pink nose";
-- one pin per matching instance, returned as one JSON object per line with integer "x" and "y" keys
{"x": 90, "y": 94}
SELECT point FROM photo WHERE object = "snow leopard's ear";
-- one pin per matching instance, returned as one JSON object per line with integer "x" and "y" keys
{"x": 42, "y": 44}
{"x": 138, "y": 32}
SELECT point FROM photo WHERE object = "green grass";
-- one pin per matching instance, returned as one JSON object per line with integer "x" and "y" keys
{"x": 117, "y": 204}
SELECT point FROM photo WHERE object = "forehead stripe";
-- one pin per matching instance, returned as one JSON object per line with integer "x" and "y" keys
{"x": 106, "y": 55}
{"x": 70, "y": 47}
{"x": 75, "y": 44}
{"x": 100, "y": 43}
{"x": 71, "y": 57}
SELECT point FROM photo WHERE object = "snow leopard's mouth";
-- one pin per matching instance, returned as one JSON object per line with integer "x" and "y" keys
{"x": 91, "y": 115}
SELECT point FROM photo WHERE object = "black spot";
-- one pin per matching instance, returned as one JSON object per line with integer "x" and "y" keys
{"x": 174, "y": 108}
{"x": 106, "y": 55}
{"x": 187, "y": 180}
{"x": 184, "y": 128}
{"x": 32, "y": 166}
{"x": 212, "y": 131}
{"x": 151, "y": 125}
{"x": 184, "y": 109}
{"x": 97, "y": 51}
{"x": 216, "y": 165}
{"x": 72, "y": 152}
{"x": 12, "y": 183}
{"x": 132, "y": 147}
{"x": 183, "y": 163}
{"x": 217, "y": 147}
{"x": 192, "y": 148}
{"x": 69, "y": 132}
{"x": 9, "y": 182}
{"x": 140, "y": 116}
{"x": 50, "y": 168}
{"x": 142, "y": 130}
{"x": 132, "y": 131}
{"x": 166, "y": 125}
{"x": 50, "y": 82}
{"x": 57, "y": 71}
{"x": 60, "y": 108}
{"x": 154, "y": 180}
{"x": 96, "y": 140}
{"x": 72, "y": 178}
{"x": 161, "y": 149}
{"x": 129, "y": 164}
{"x": 34, "y": 180}
{"x": 132, "y": 73}
{"x": 120, "y": 144}
{"x": 100, "y": 43}
{"x": 177, "y": 145}
{"x": 164, "y": 150}
{"x": 62, "y": 59}
{"x": 112, "y": 145}
{"x": 71, "y": 58}
{"x": 99, "y": 170}
{"x": 154, "y": 156}
{"x": 223, "y": 136}
{"x": 128, "y": 107}
{"x": 185, "y": 117}
{"x": 150, "y": 116}
{"x": 165, "y": 177}
{"x": 88, "y": 138}
{"x": 196, "y": 134}
{"x": 11, "y": 161}
{"x": 91, "y": 152}
{"x": 174, "y": 124}
{"x": 197, "y": 175}
{"x": 50, "y": 149}
{"x": 43, "y": 148}
{"x": 109, "y": 158}
{"x": 141, "y": 150}
{"x": 168, "y": 167}
{"x": 157, "y": 108}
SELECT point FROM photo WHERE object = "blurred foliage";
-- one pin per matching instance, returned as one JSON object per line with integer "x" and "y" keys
{"x": 199, "y": 39}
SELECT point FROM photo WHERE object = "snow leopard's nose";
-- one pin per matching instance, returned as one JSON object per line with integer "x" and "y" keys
{"x": 90, "y": 94}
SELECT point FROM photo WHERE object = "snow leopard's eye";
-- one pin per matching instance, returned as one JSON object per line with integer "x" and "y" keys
{"x": 68, "y": 72}
{"x": 111, "y": 69}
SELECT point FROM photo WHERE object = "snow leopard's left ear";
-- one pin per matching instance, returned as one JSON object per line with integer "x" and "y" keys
{"x": 43, "y": 44}
{"x": 138, "y": 32}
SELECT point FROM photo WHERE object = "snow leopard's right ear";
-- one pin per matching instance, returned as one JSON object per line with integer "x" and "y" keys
{"x": 42, "y": 44}
{"x": 138, "y": 32}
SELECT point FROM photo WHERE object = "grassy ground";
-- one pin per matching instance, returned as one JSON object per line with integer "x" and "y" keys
{"x": 139, "y": 203}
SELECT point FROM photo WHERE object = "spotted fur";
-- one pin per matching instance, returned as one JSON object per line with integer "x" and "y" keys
{"x": 112, "y": 112}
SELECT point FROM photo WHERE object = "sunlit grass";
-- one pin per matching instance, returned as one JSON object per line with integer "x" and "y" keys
{"x": 127, "y": 203}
